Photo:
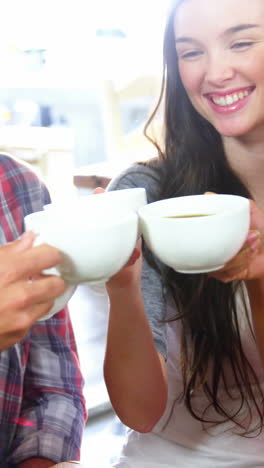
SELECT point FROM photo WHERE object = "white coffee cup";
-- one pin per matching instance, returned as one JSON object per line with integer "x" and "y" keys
{"x": 197, "y": 233}
{"x": 95, "y": 242}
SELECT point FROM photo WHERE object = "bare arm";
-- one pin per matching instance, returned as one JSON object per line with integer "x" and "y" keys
{"x": 134, "y": 371}
{"x": 36, "y": 463}
{"x": 256, "y": 296}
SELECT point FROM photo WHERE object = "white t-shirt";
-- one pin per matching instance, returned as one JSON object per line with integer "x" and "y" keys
{"x": 179, "y": 440}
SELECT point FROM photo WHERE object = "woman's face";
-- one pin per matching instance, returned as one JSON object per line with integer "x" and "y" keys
{"x": 220, "y": 48}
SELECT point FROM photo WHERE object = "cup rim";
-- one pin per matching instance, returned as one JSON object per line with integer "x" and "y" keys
{"x": 145, "y": 211}
{"x": 106, "y": 194}
{"x": 117, "y": 220}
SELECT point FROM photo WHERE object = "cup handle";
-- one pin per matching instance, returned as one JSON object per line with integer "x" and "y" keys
{"x": 62, "y": 300}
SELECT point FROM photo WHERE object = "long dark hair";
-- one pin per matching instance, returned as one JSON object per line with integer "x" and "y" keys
{"x": 192, "y": 161}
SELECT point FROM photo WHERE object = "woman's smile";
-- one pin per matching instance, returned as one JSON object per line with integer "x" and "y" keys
{"x": 229, "y": 101}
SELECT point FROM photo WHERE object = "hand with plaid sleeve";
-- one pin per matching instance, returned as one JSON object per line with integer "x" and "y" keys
{"x": 42, "y": 409}
{"x": 23, "y": 301}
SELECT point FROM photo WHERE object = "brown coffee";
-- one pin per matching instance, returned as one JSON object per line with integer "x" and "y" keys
{"x": 189, "y": 216}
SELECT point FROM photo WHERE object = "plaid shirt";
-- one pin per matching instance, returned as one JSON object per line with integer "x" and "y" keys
{"x": 42, "y": 410}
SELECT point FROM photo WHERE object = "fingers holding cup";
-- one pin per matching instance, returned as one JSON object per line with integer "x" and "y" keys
{"x": 247, "y": 264}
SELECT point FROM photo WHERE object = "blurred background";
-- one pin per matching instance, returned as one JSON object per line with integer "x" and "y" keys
{"x": 78, "y": 80}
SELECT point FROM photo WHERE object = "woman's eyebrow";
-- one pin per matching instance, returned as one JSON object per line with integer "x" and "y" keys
{"x": 239, "y": 27}
{"x": 184, "y": 39}
{"x": 227, "y": 32}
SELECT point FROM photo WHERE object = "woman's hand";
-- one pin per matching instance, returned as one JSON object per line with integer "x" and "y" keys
{"x": 248, "y": 264}
{"x": 130, "y": 275}
{"x": 23, "y": 300}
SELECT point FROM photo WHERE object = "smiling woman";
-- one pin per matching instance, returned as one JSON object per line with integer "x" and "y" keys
{"x": 221, "y": 65}
{"x": 189, "y": 381}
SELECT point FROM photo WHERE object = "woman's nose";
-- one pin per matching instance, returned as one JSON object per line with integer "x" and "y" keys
{"x": 219, "y": 71}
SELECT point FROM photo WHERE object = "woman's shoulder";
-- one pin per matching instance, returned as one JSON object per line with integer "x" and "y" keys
{"x": 147, "y": 175}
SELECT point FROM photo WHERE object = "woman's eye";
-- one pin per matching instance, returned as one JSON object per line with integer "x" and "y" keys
{"x": 242, "y": 45}
{"x": 192, "y": 54}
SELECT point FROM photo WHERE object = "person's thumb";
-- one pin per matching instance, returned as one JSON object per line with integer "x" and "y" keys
{"x": 98, "y": 190}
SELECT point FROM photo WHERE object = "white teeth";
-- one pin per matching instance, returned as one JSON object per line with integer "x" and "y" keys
{"x": 230, "y": 99}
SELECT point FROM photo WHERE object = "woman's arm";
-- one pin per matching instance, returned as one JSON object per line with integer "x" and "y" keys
{"x": 36, "y": 463}
{"x": 256, "y": 297}
{"x": 134, "y": 371}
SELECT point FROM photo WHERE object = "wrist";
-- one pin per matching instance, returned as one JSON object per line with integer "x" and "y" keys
{"x": 126, "y": 290}
{"x": 255, "y": 286}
